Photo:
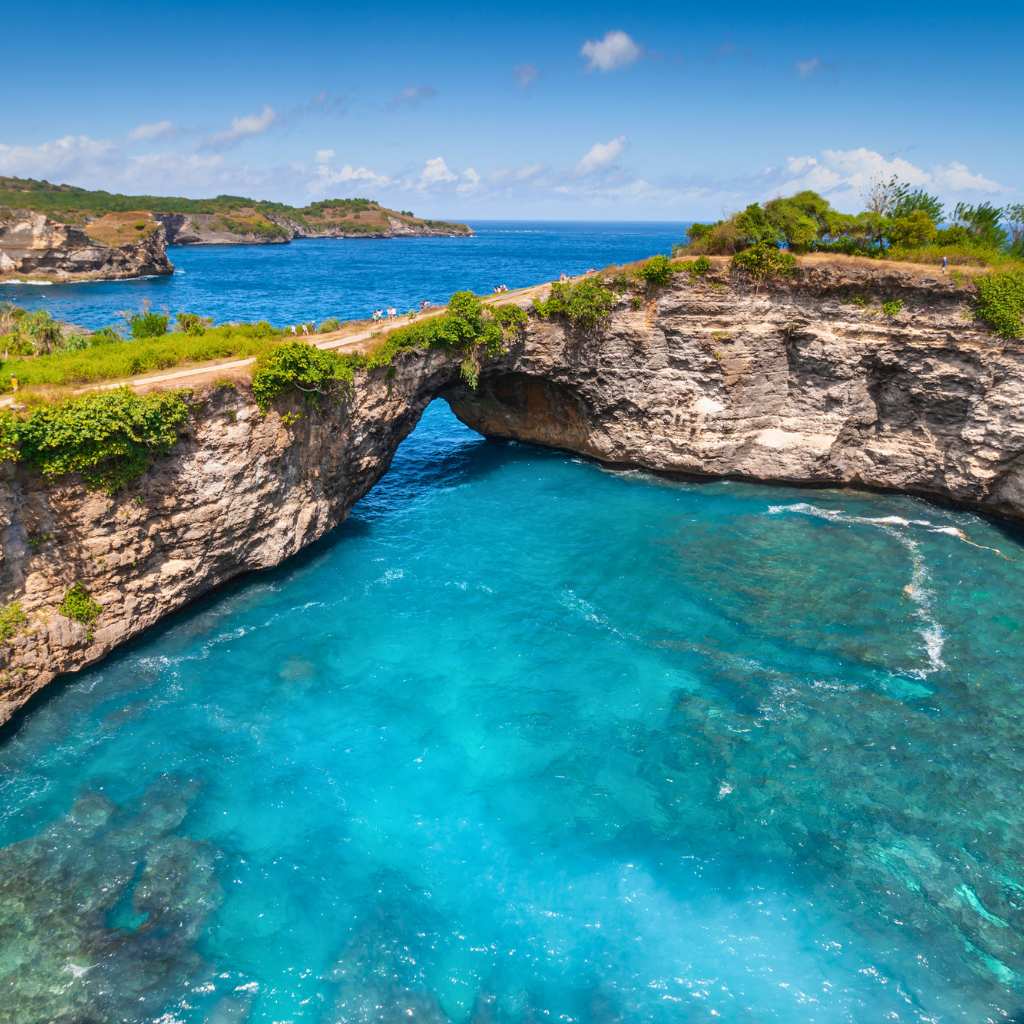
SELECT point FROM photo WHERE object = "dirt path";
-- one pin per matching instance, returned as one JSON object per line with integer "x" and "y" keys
{"x": 344, "y": 340}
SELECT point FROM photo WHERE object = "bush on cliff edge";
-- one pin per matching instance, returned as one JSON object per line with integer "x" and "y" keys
{"x": 110, "y": 439}
{"x": 1001, "y": 302}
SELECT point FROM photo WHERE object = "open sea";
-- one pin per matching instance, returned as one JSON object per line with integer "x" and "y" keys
{"x": 528, "y": 740}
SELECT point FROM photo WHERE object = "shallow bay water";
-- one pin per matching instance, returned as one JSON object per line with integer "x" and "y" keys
{"x": 312, "y": 279}
{"x": 527, "y": 740}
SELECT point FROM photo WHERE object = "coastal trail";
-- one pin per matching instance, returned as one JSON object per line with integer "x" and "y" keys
{"x": 342, "y": 340}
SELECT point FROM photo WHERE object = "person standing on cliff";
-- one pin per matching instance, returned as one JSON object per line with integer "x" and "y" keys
{"x": 945, "y": 263}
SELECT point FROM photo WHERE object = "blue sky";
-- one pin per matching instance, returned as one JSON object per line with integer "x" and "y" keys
{"x": 652, "y": 111}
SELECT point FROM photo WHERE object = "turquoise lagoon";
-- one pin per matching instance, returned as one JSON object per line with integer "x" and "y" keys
{"x": 529, "y": 740}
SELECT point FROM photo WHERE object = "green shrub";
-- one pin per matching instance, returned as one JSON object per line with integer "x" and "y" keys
{"x": 696, "y": 268}
{"x": 1001, "y": 302}
{"x": 192, "y": 324}
{"x": 104, "y": 336}
{"x": 583, "y": 303}
{"x": 148, "y": 324}
{"x": 298, "y": 366}
{"x": 893, "y": 307}
{"x": 74, "y": 343}
{"x": 109, "y": 438}
{"x": 658, "y": 270}
{"x": 12, "y": 618}
{"x": 764, "y": 261}
{"x": 79, "y": 605}
{"x": 8, "y": 436}
{"x": 332, "y": 323}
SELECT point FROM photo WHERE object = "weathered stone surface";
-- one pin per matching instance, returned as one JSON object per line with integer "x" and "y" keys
{"x": 241, "y": 492}
{"x": 791, "y": 383}
{"x": 35, "y": 246}
{"x": 796, "y": 383}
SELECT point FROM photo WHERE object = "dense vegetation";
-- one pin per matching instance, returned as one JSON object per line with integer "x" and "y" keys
{"x": 109, "y": 438}
{"x": 899, "y": 222}
{"x": 468, "y": 328}
{"x": 1001, "y": 302}
{"x": 237, "y": 214}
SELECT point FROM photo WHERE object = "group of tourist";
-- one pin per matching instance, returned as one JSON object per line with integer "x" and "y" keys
{"x": 385, "y": 314}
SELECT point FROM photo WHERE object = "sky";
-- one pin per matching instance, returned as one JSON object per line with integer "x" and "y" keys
{"x": 654, "y": 111}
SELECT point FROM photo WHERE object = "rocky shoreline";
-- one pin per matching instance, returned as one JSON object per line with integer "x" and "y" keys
{"x": 805, "y": 381}
{"x": 36, "y": 248}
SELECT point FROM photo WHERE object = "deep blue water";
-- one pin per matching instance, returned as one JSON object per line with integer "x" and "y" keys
{"x": 349, "y": 278}
{"x": 529, "y": 740}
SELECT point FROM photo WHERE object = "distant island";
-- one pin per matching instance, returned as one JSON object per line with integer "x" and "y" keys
{"x": 65, "y": 233}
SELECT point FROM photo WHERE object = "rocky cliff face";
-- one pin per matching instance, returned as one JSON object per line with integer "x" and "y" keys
{"x": 807, "y": 381}
{"x": 34, "y": 246}
{"x": 269, "y": 228}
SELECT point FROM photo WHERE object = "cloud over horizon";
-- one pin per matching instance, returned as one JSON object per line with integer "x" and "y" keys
{"x": 601, "y": 154}
{"x": 844, "y": 175}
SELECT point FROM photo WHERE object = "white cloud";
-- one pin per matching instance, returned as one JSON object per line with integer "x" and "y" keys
{"x": 956, "y": 177}
{"x": 806, "y": 68}
{"x": 844, "y": 175}
{"x": 435, "y": 172}
{"x": 326, "y": 176}
{"x": 62, "y": 157}
{"x": 601, "y": 154}
{"x": 242, "y": 128}
{"x": 470, "y": 180}
{"x": 152, "y": 130}
{"x": 526, "y": 74}
{"x": 615, "y": 50}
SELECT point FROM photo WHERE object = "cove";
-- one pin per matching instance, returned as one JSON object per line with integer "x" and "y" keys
{"x": 527, "y": 739}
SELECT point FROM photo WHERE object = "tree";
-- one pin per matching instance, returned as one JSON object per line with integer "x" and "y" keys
{"x": 917, "y": 200}
{"x": 912, "y": 230}
{"x": 883, "y": 195}
{"x": 41, "y": 330}
{"x": 1014, "y": 216}
{"x": 982, "y": 223}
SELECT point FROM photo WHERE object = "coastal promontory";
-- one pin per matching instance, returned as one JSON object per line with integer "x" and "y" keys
{"x": 63, "y": 233}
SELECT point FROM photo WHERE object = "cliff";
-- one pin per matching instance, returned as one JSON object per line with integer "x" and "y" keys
{"x": 222, "y": 220}
{"x": 111, "y": 247}
{"x": 804, "y": 381}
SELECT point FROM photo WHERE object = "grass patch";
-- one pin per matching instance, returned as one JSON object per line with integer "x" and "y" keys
{"x": 115, "y": 360}
{"x": 117, "y": 229}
